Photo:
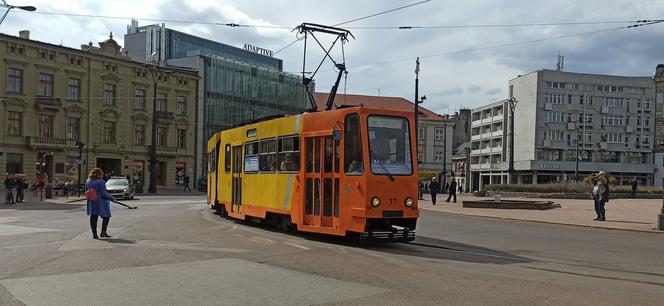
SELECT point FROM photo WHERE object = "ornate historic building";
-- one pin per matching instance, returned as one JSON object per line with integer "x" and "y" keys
{"x": 57, "y": 100}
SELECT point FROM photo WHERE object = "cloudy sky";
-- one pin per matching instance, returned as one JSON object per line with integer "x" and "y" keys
{"x": 383, "y": 60}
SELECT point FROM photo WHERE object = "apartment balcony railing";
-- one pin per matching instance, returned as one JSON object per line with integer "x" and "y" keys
{"x": 165, "y": 115}
{"x": 46, "y": 142}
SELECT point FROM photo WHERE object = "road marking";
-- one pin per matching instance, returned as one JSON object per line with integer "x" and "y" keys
{"x": 190, "y": 283}
{"x": 297, "y": 246}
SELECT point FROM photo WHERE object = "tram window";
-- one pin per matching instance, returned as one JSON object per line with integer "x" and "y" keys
{"x": 353, "y": 145}
{"x": 327, "y": 165}
{"x": 389, "y": 142}
{"x": 227, "y": 158}
{"x": 268, "y": 155}
{"x": 310, "y": 155}
{"x": 251, "y": 157}
{"x": 212, "y": 162}
{"x": 288, "y": 157}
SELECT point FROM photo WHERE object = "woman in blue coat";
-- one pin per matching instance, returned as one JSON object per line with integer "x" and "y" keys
{"x": 100, "y": 207}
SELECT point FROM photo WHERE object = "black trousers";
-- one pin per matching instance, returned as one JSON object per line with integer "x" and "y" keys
{"x": 452, "y": 194}
{"x": 93, "y": 223}
{"x": 433, "y": 198}
{"x": 186, "y": 187}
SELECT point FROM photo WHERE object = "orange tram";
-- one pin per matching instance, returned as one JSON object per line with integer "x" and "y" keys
{"x": 345, "y": 172}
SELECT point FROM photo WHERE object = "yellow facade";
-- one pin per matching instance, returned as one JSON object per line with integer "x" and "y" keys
{"x": 109, "y": 96}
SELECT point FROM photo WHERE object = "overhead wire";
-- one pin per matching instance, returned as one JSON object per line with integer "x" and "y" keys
{"x": 513, "y": 44}
{"x": 357, "y": 19}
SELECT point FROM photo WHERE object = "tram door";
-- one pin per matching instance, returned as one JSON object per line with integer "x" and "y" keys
{"x": 236, "y": 171}
{"x": 321, "y": 206}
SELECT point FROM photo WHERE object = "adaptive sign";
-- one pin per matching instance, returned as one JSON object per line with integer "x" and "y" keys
{"x": 258, "y": 50}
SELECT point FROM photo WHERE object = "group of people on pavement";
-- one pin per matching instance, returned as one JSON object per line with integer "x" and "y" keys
{"x": 435, "y": 188}
{"x": 17, "y": 182}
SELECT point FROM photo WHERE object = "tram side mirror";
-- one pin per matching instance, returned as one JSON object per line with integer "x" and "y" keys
{"x": 336, "y": 135}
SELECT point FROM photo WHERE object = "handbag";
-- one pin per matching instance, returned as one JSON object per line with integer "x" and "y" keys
{"x": 91, "y": 194}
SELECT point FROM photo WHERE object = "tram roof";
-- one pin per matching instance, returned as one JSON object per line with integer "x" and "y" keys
{"x": 393, "y": 103}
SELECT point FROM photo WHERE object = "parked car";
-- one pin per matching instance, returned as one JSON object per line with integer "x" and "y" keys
{"x": 119, "y": 187}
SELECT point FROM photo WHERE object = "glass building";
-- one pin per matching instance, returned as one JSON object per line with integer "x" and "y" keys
{"x": 237, "y": 86}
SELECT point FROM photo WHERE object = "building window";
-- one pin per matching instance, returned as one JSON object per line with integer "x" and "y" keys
{"x": 162, "y": 99}
{"x": 557, "y": 85}
{"x": 554, "y": 98}
{"x": 612, "y": 137}
{"x": 108, "y": 136}
{"x": 139, "y": 99}
{"x": 613, "y": 102}
{"x": 553, "y": 117}
{"x": 109, "y": 94}
{"x": 45, "y": 86}
{"x": 438, "y": 134}
{"x": 74, "y": 89}
{"x": 139, "y": 135}
{"x": 182, "y": 105}
{"x": 14, "y": 123}
{"x": 182, "y": 138}
{"x": 14, "y": 163}
{"x": 15, "y": 80}
{"x": 45, "y": 126}
{"x": 73, "y": 128}
{"x": 162, "y": 136}
{"x": 420, "y": 133}
{"x": 554, "y": 135}
{"x": 617, "y": 120}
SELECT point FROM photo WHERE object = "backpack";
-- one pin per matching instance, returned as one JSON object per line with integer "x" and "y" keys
{"x": 91, "y": 194}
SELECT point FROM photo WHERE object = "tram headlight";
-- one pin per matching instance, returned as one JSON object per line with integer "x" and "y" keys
{"x": 409, "y": 202}
{"x": 375, "y": 202}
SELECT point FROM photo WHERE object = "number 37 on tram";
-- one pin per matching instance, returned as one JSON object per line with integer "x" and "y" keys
{"x": 345, "y": 172}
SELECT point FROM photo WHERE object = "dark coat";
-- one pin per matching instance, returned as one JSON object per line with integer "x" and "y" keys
{"x": 102, "y": 206}
{"x": 453, "y": 187}
{"x": 9, "y": 183}
{"x": 434, "y": 187}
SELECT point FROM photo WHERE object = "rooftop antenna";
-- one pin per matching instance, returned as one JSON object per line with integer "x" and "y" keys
{"x": 561, "y": 62}
{"x": 308, "y": 29}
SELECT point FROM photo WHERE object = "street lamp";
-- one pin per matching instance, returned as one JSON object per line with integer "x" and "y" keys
{"x": 510, "y": 171}
{"x": 9, "y": 7}
{"x": 417, "y": 111}
{"x": 80, "y": 146}
{"x": 467, "y": 169}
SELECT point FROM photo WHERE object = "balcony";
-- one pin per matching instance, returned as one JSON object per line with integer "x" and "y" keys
{"x": 46, "y": 142}
{"x": 48, "y": 102}
{"x": 162, "y": 150}
{"x": 165, "y": 115}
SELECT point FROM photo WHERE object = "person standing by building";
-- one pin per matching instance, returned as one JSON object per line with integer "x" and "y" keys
{"x": 452, "y": 191}
{"x": 9, "y": 184}
{"x": 420, "y": 190}
{"x": 186, "y": 183}
{"x": 632, "y": 193}
{"x": 99, "y": 206}
{"x": 434, "y": 188}
{"x": 18, "y": 183}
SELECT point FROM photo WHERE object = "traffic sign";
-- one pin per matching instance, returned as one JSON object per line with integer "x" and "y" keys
{"x": 79, "y": 161}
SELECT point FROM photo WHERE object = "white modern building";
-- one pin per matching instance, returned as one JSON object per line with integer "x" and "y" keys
{"x": 605, "y": 122}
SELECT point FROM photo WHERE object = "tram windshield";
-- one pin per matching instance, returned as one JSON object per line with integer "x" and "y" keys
{"x": 389, "y": 145}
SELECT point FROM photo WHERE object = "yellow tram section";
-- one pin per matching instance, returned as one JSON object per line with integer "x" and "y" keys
{"x": 261, "y": 192}
{"x": 212, "y": 165}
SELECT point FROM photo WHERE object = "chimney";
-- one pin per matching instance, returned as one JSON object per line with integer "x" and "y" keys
{"x": 25, "y": 34}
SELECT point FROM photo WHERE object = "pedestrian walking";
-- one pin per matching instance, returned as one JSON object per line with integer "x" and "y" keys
{"x": 452, "y": 191}
{"x": 18, "y": 184}
{"x": 420, "y": 190}
{"x": 9, "y": 185}
{"x": 601, "y": 195}
{"x": 186, "y": 184}
{"x": 632, "y": 193}
{"x": 98, "y": 204}
{"x": 434, "y": 188}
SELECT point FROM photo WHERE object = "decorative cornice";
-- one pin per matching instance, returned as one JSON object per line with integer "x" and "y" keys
{"x": 109, "y": 110}
{"x": 143, "y": 84}
{"x": 163, "y": 88}
{"x": 182, "y": 92}
{"x": 15, "y": 101}
{"x": 75, "y": 72}
{"x": 45, "y": 67}
{"x": 10, "y": 61}
{"x": 140, "y": 116}
{"x": 111, "y": 77}
{"x": 182, "y": 121}
{"x": 74, "y": 108}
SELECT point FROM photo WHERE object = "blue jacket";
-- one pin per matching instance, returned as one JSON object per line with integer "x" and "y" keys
{"x": 102, "y": 206}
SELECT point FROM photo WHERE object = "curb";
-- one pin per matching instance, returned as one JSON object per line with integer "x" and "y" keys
{"x": 550, "y": 222}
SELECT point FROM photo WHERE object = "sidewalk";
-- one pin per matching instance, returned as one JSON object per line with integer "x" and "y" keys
{"x": 624, "y": 214}
{"x": 161, "y": 191}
